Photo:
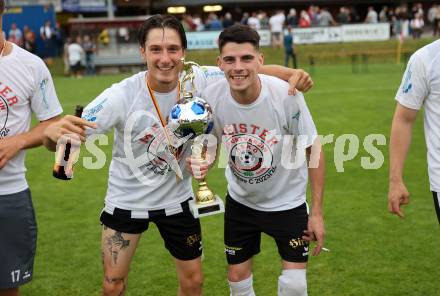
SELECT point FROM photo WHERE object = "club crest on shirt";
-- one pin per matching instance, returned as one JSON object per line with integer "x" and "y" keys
{"x": 250, "y": 158}
{"x": 160, "y": 153}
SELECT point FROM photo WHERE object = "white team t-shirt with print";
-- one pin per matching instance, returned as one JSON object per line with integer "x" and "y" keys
{"x": 421, "y": 86}
{"x": 142, "y": 176}
{"x": 261, "y": 170}
{"x": 26, "y": 86}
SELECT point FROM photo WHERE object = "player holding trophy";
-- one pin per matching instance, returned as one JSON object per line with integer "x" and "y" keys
{"x": 142, "y": 186}
{"x": 258, "y": 122}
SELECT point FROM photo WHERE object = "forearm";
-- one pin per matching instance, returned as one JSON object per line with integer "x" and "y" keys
{"x": 317, "y": 182}
{"x": 401, "y": 133}
{"x": 281, "y": 72}
{"x": 35, "y": 136}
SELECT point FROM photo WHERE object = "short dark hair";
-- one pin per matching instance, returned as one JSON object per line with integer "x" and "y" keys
{"x": 2, "y": 6}
{"x": 161, "y": 21}
{"x": 239, "y": 33}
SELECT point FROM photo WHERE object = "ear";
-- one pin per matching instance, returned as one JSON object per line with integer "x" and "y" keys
{"x": 219, "y": 62}
{"x": 142, "y": 50}
{"x": 261, "y": 59}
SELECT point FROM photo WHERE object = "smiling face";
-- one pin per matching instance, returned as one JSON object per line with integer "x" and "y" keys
{"x": 241, "y": 63}
{"x": 162, "y": 52}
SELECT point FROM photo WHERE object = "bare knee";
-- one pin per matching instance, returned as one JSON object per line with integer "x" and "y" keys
{"x": 113, "y": 286}
{"x": 238, "y": 275}
{"x": 191, "y": 283}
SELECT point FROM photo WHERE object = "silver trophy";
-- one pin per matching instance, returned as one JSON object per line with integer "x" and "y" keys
{"x": 193, "y": 116}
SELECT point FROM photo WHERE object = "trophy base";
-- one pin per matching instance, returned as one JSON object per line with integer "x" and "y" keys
{"x": 206, "y": 209}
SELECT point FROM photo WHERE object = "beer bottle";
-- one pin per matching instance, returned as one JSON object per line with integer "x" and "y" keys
{"x": 59, "y": 169}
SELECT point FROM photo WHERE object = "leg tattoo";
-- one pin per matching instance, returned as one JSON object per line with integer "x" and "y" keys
{"x": 116, "y": 243}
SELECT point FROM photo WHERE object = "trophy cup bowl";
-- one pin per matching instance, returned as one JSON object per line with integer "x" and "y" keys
{"x": 192, "y": 116}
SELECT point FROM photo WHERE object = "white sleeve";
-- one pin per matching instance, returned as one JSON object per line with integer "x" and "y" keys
{"x": 301, "y": 121}
{"x": 414, "y": 88}
{"x": 106, "y": 110}
{"x": 207, "y": 75}
{"x": 44, "y": 102}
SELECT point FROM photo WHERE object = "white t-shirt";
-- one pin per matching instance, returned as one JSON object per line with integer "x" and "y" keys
{"x": 254, "y": 23}
{"x": 26, "y": 86}
{"x": 150, "y": 184}
{"x": 421, "y": 86}
{"x": 46, "y": 31}
{"x": 371, "y": 17}
{"x": 257, "y": 174}
{"x": 75, "y": 51}
{"x": 276, "y": 22}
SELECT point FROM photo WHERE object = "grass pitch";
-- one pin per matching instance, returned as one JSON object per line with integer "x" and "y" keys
{"x": 372, "y": 252}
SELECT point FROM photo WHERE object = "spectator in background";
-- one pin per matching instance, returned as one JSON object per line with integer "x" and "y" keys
{"x": 75, "y": 53}
{"x": 29, "y": 40}
{"x": 244, "y": 18}
{"x": 313, "y": 14}
{"x": 289, "y": 50}
{"x": 276, "y": 23}
{"x": 343, "y": 16}
{"x": 417, "y": 9}
{"x": 371, "y": 17}
{"x": 417, "y": 25}
{"x": 199, "y": 24}
{"x": 66, "y": 57}
{"x": 89, "y": 49}
{"x": 292, "y": 18}
{"x": 213, "y": 23}
{"x": 437, "y": 22}
{"x": 188, "y": 23}
{"x": 354, "y": 15}
{"x": 325, "y": 19}
{"x": 227, "y": 20}
{"x": 47, "y": 34}
{"x": 123, "y": 34}
{"x": 15, "y": 35}
{"x": 432, "y": 12}
{"x": 254, "y": 21}
{"x": 396, "y": 23}
{"x": 60, "y": 38}
{"x": 104, "y": 37}
{"x": 383, "y": 14}
{"x": 304, "y": 20}
{"x": 264, "y": 20}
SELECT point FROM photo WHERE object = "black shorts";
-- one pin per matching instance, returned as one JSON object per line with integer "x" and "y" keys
{"x": 436, "y": 204}
{"x": 243, "y": 228}
{"x": 181, "y": 232}
{"x": 18, "y": 239}
{"x": 76, "y": 67}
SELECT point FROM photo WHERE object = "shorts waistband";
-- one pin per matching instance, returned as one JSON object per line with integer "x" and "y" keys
{"x": 147, "y": 214}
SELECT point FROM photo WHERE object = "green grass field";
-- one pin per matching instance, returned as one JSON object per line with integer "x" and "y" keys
{"x": 372, "y": 252}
